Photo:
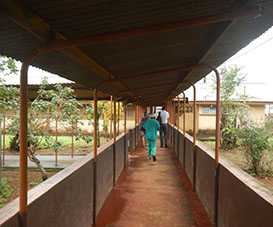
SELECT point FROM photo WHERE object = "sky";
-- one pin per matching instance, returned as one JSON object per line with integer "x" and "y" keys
{"x": 256, "y": 61}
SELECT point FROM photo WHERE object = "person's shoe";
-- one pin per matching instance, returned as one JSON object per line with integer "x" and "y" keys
{"x": 154, "y": 158}
{"x": 149, "y": 157}
{"x": 161, "y": 145}
{"x": 166, "y": 145}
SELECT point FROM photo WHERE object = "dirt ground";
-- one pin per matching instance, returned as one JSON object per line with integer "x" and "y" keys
{"x": 34, "y": 178}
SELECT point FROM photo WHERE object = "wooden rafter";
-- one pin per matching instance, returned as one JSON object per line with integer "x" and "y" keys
{"x": 35, "y": 25}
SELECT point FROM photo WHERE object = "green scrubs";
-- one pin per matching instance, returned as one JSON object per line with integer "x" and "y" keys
{"x": 151, "y": 127}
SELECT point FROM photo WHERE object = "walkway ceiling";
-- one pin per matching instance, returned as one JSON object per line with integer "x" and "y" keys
{"x": 141, "y": 50}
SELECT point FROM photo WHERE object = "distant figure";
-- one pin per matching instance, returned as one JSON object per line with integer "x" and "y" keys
{"x": 161, "y": 129}
{"x": 151, "y": 126}
{"x": 164, "y": 115}
{"x": 142, "y": 130}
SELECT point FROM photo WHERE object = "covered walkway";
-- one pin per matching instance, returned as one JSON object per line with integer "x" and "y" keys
{"x": 153, "y": 194}
{"x": 144, "y": 54}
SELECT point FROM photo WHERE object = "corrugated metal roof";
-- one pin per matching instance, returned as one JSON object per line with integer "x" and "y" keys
{"x": 79, "y": 18}
{"x": 132, "y": 56}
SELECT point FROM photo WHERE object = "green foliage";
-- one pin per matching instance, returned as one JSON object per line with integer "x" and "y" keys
{"x": 9, "y": 98}
{"x": 59, "y": 103}
{"x": 229, "y": 135}
{"x": 7, "y": 66}
{"x": 56, "y": 145}
{"x": 86, "y": 139}
{"x": 9, "y": 95}
{"x": 234, "y": 114}
{"x": 255, "y": 140}
{"x": 268, "y": 125}
{"x": 5, "y": 191}
{"x": 230, "y": 81}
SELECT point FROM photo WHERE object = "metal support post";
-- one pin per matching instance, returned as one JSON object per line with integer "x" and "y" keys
{"x": 178, "y": 127}
{"x": 115, "y": 140}
{"x": 184, "y": 131}
{"x": 125, "y": 134}
{"x": 95, "y": 134}
{"x": 111, "y": 117}
{"x": 136, "y": 107}
{"x": 217, "y": 144}
{"x": 23, "y": 143}
{"x": 194, "y": 137}
{"x": 118, "y": 131}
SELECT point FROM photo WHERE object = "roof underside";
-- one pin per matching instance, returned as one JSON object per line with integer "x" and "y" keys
{"x": 150, "y": 67}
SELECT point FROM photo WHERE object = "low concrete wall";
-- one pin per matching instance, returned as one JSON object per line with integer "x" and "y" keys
{"x": 189, "y": 157}
{"x": 104, "y": 179}
{"x": 67, "y": 198}
{"x": 242, "y": 200}
{"x": 205, "y": 178}
{"x": 169, "y": 135}
{"x": 175, "y": 141}
{"x": 53, "y": 202}
{"x": 119, "y": 157}
{"x": 132, "y": 140}
{"x": 181, "y": 148}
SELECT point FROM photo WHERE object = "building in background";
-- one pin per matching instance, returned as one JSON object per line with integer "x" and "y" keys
{"x": 205, "y": 114}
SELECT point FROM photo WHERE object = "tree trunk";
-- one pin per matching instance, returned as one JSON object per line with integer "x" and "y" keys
{"x": 0, "y": 150}
{"x": 56, "y": 140}
{"x": 4, "y": 139}
{"x": 98, "y": 143}
{"x": 32, "y": 157}
{"x": 72, "y": 142}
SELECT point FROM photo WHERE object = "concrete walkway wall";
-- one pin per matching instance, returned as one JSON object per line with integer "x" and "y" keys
{"x": 67, "y": 199}
{"x": 241, "y": 202}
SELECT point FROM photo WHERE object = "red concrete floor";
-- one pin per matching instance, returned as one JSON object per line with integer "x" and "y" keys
{"x": 152, "y": 195}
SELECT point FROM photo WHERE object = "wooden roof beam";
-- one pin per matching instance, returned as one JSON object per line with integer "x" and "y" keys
{"x": 35, "y": 25}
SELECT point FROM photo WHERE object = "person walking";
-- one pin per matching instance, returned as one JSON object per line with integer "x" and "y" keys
{"x": 151, "y": 127}
{"x": 164, "y": 115}
{"x": 161, "y": 129}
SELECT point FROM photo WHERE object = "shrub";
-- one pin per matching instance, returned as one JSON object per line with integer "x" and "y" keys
{"x": 255, "y": 140}
{"x": 229, "y": 138}
{"x": 5, "y": 191}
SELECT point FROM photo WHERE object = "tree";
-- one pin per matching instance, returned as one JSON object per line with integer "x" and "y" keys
{"x": 7, "y": 66}
{"x": 8, "y": 96}
{"x": 255, "y": 140}
{"x": 60, "y": 102}
{"x": 233, "y": 113}
{"x": 104, "y": 113}
{"x": 9, "y": 99}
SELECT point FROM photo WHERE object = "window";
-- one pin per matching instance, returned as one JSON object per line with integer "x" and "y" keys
{"x": 208, "y": 109}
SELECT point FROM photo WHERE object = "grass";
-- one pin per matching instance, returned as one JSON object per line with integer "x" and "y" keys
{"x": 80, "y": 145}
{"x": 5, "y": 191}
{"x": 64, "y": 140}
